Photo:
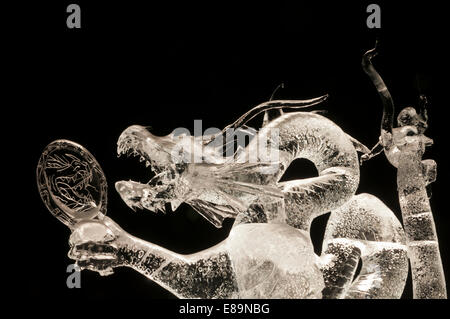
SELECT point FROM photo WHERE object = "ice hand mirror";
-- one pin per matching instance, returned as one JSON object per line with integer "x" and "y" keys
{"x": 71, "y": 182}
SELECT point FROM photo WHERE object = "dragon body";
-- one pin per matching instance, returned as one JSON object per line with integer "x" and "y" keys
{"x": 269, "y": 253}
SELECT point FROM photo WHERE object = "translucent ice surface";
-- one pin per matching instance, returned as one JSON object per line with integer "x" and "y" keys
{"x": 71, "y": 182}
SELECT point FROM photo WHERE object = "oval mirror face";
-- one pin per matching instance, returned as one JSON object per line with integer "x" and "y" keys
{"x": 71, "y": 182}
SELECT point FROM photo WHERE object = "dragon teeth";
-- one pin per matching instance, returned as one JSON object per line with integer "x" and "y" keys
{"x": 147, "y": 163}
{"x": 141, "y": 159}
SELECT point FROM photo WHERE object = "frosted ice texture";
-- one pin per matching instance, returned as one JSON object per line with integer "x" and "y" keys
{"x": 269, "y": 253}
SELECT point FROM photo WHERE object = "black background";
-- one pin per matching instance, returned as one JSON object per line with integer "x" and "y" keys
{"x": 164, "y": 65}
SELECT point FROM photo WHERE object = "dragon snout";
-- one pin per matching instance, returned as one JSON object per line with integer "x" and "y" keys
{"x": 155, "y": 151}
{"x": 131, "y": 139}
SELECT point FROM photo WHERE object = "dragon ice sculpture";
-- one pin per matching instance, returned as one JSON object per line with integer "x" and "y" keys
{"x": 268, "y": 253}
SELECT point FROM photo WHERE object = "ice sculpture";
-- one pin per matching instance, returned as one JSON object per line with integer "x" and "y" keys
{"x": 268, "y": 253}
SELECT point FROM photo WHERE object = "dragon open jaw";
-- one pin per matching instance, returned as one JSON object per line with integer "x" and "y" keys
{"x": 137, "y": 141}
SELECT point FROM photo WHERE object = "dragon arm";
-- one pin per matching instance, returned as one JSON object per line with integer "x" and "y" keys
{"x": 102, "y": 245}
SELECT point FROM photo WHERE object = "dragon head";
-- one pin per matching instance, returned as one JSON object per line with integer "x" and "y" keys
{"x": 166, "y": 187}
{"x": 211, "y": 186}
